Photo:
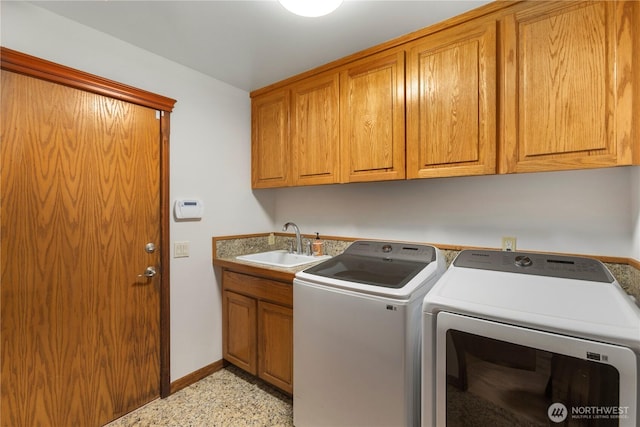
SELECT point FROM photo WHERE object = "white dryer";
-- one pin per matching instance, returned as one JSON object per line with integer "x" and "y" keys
{"x": 529, "y": 339}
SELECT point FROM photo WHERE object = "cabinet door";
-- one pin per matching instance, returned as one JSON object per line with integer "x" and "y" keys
{"x": 567, "y": 96}
{"x": 315, "y": 139}
{"x": 270, "y": 160}
{"x": 372, "y": 118}
{"x": 239, "y": 320}
{"x": 451, "y": 107}
{"x": 275, "y": 343}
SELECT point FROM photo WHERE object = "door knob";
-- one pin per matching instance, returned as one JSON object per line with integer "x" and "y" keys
{"x": 150, "y": 248}
{"x": 149, "y": 272}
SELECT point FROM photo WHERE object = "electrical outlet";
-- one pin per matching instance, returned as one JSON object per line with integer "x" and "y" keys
{"x": 272, "y": 239}
{"x": 509, "y": 244}
{"x": 180, "y": 249}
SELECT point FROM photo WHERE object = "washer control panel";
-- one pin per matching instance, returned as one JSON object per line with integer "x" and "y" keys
{"x": 540, "y": 264}
{"x": 392, "y": 250}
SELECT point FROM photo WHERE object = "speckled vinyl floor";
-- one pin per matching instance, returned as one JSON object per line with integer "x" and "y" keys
{"x": 228, "y": 397}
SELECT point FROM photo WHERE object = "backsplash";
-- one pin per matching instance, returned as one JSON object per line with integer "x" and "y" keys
{"x": 250, "y": 245}
{"x": 626, "y": 275}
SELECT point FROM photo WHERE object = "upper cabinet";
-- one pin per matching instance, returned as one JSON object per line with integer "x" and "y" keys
{"x": 295, "y": 134}
{"x": 270, "y": 149}
{"x": 315, "y": 115}
{"x": 513, "y": 86}
{"x": 372, "y": 118}
{"x": 451, "y": 102}
{"x": 567, "y": 89}
{"x": 344, "y": 125}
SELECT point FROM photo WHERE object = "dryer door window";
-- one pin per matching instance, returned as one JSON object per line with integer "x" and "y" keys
{"x": 501, "y": 375}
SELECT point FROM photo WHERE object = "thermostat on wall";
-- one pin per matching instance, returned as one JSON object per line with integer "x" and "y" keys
{"x": 189, "y": 209}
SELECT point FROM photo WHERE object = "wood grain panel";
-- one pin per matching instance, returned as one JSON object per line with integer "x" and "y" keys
{"x": 451, "y": 84}
{"x": 80, "y": 198}
{"x": 568, "y": 86}
{"x": 451, "y": 111}
{"x": 270, "y": 148}
{"x": 567, "y": 55}
{"x": 367, "y": 151}
{"x": 239, "y": 321}
{"x": 315, "y": 140}
{"x": 275, "y": 340}
{"x": 372, "y": 111}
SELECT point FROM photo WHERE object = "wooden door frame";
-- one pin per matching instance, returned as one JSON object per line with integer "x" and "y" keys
{"x": 17, "y": 62}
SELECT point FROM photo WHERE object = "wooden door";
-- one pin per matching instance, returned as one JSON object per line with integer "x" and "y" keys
{"x": 451, "y": 112}
{"x": 275, "y": 343}
{"x": 80, "y": 186}
{"x": 372, "y": 99}
{"x": 315, "y": 140}
{"x": 568, "y": 86}
{"x": 239, "y": 324}
{"x": 270, "y": 145}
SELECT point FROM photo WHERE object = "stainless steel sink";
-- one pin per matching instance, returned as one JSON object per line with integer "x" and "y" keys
{"x": 281, "y": 258}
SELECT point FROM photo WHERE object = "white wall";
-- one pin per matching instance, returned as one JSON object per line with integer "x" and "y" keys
{"x": 210, "y": 152}
{"x": 585, "y": 212}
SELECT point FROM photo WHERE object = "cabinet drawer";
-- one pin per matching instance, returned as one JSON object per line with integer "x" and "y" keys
{"x": 258, "y": 287}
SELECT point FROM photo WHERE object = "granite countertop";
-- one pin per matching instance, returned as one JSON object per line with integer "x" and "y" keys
{"x": 225, "y": 250}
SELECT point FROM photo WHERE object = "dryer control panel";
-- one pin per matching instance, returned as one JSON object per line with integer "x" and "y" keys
{"x": 562, "y": 266}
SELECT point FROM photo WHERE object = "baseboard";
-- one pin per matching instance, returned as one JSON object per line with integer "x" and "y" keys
{"x": 196, "y": 376}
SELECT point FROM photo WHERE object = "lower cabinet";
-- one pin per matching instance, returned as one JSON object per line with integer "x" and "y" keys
{"x": 275, "y": 345}
{"x": 239, "y": 330}
{"x": 257, "y": 327}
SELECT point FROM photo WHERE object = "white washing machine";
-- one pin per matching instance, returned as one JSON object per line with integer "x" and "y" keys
{"x": 529, "y": 339}
{"x": 357, "y": 333}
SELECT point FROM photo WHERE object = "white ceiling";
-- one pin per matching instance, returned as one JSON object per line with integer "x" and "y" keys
{"x": 251, "y": 44}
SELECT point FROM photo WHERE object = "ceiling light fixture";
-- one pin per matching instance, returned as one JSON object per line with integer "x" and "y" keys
{"x": 311, "y": 8}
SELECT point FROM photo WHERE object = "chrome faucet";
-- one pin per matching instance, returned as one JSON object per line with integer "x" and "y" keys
{"x": 298, "y": 237}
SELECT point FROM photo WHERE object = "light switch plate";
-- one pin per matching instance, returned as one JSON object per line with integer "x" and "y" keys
{"x": 180, "y": 249}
